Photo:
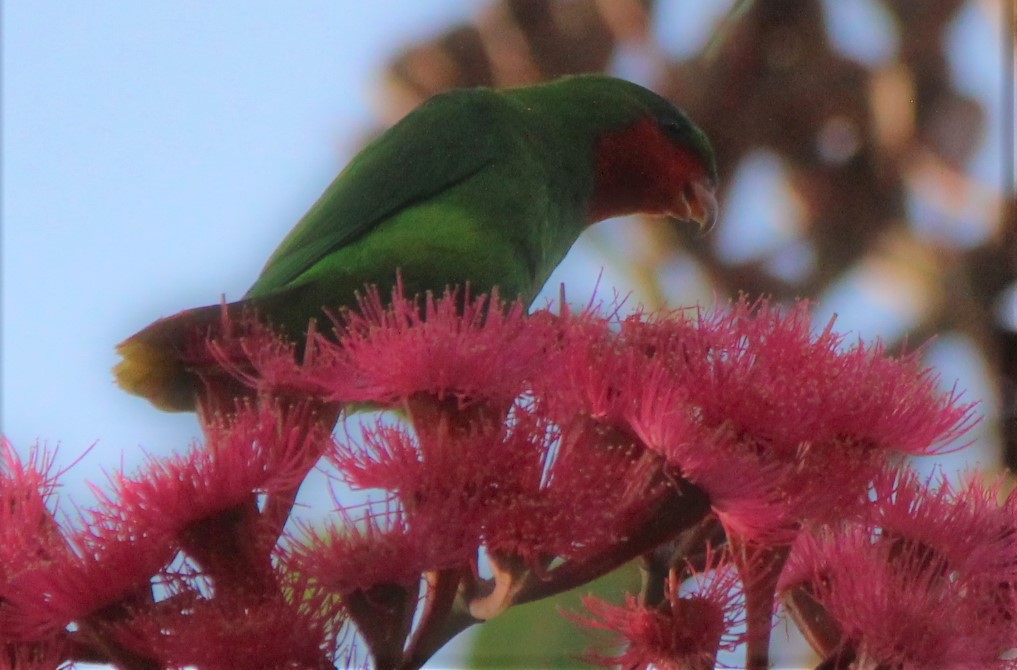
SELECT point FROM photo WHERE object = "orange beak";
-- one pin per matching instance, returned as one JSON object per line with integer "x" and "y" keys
{"x": 696, "y": 203}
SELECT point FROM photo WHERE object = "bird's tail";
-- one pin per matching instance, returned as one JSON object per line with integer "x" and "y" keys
{"x": 154, "y": 365}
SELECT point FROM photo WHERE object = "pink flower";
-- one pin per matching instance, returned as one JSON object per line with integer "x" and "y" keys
{"x": 245, "y": 350}
{"x": 48, "y": 580}
{"x": 205, "y": 500}
{"x": 927, "y": 582}
{"x": 442, "y": 478}
{"x": 964, "y": 525}
{"x": 461, "y": 348}
{"x": 28, "y": 533}
{"x": 580, "y": 490}
{"x": 590, "y": 373}
{"x": 766, "y": 371}
{"x": 234, "y": 631}
{"x": 523, "y": 487}
{"x": 263, "y": 448}
{"x": 686, "y": 631}
{"x": 806, "y": 422}
{"x": 379, "y": 548}
{"x": 43, "y": 655}
{"x": 107, "y": 564}
{"x": 609, "y": 466}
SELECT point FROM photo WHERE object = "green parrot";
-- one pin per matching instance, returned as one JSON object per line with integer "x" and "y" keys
{"x": 480, "y": 186}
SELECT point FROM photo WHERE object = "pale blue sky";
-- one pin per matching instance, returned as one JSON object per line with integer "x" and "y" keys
{"x": 154, "y": 155}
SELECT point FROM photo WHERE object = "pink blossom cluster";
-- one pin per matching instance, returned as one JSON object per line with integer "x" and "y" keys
{"x": 740, "y": 455}
{"x": 923, "y": 578}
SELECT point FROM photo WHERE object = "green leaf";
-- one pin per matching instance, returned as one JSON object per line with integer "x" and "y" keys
{"x": 538, "y": 635}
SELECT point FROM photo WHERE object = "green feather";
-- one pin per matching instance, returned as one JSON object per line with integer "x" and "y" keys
{"x": 418, "y": 159}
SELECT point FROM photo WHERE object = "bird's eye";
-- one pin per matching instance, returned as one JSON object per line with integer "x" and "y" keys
{"x": 672, "y": 127}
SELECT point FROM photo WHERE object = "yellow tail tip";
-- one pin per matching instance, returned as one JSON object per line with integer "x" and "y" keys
{"x": 155, "y": 373}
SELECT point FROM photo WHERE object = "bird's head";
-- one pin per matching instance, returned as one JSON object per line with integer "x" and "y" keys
{"x": 649, "y": 157}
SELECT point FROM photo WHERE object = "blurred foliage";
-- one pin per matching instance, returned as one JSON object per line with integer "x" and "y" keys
{"x": 537, "y": 635}
{"x": 873, "y": 147}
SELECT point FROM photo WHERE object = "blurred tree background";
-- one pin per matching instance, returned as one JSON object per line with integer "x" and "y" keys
{"x": 866, "y": 159}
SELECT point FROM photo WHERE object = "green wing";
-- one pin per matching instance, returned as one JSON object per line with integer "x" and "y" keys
{"x": 445, "y": 141}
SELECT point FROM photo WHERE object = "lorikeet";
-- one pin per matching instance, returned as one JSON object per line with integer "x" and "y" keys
{"x": 489, "y": 187}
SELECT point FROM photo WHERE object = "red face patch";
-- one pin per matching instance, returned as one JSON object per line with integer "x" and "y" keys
{"x": 640, "y": 169}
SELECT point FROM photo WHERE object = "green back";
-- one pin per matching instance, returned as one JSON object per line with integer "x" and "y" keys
{"x": 498, "y": 150}
{"x": 423, "y": 155}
